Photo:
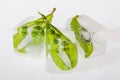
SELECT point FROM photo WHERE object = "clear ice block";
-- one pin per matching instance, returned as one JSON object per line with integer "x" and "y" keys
{"x": 91, "y": 34}
{"x": 28, "y": 46}
{"x": 61, "y": 50}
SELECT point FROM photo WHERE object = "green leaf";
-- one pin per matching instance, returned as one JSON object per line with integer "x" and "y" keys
{"x": 85, "y": 43}
{"x": 62, "y": 50}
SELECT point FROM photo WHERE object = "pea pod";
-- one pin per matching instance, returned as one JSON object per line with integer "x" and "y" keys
{"x": 62, "y": 50}
{"x": 83, "y": 36}
{"x": 34, "y": 30}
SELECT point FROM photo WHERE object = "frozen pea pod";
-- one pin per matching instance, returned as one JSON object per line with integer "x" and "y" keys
{"x": 83, "y": 36}
{"x": 61, "y": 49}
{"x": 33, "y": 29}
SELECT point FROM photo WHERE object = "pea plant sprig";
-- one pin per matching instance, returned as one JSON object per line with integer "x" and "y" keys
{"x": 62, "y": 50}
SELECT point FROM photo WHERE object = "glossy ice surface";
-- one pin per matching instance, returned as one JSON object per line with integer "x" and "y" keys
{"x": 61, "y": 50}
{"x": 97, "y": 33}
{"x": 90, "y": 35}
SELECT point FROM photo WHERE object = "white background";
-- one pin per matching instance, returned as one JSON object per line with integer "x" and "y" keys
{"x": 16, "y": 67}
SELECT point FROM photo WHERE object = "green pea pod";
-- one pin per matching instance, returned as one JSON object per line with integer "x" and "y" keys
{"x": 80, "y": 31}
{"x": 36, "y": 33}
{"x": 62, "y": 50}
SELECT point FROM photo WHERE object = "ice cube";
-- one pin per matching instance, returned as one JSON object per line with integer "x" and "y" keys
{"x": 98, "y": 33}
{"x": 61, "y": 56}
{"x": 31, "y": 50}
{"x": 92, "y": 32}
